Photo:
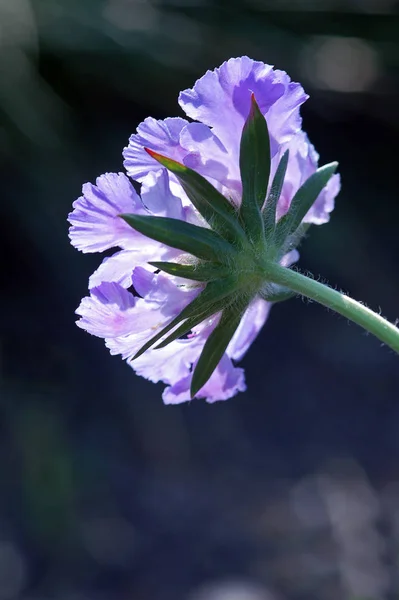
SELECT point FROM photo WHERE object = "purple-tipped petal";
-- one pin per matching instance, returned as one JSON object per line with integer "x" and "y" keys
{"x": 109, "y": 311}
{"x": 95, "y": 221}
{"x": 324, "y": 205}
{"x": 225, "y": 382}
{"x": 161, "y": 300}
{"x": 158, "y": 198}
{"x": 221, "y": 100}
{"x": 178, "y": 392}
{"x": 161, "y": 289}
{"x": 161, "y": 136}
{"x": 126, "y": 321}
{"x": 117, "y": 268}
{"x": 207, "y": 155}
{"x": 169, "y": 364}
{"x": 192, "y": 144}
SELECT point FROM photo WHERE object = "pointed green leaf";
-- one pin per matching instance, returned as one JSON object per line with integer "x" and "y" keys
{"x": 206, "y": 300}
{"x": 293, "y": 240}
{"x": 201, "y": 242}
{"x": 303, "y": 201}
{"x": 255, "y": 169}
{"x": 270, "y": 208}
{"x": 217, "y": 211}
{"x": 201, "y": 272}
{"x": 194, "y": 321}
{"x": 215, "y": 347}
{"x": 183, "y": 328}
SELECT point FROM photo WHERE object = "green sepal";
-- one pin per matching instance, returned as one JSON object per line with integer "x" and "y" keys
{"x": 215, "y": 347}
{"x": 303, "y": 200}
{"x": 194, "y": 321}
{"x": 255, "y": 170}
{"x": 270, "y": 208}
{"x": 217, "y": 211}
{"x": 199, "y": 241}
{"x": 202, "y": 272}
{"x": 293, "y": 240}
{"x": 207, "y": 300}
{"x": 276, "y": 293}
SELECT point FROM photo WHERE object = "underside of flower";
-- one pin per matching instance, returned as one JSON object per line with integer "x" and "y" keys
{"x": 237, "y": 247}
{"x": 218, "y": 207}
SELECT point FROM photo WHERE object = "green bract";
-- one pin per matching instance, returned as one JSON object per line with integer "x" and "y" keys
{"x": 302, "y": 203}
{"x": 198, "y": 241}
{"x": 269, "y": 212}
{"x": 233, "y": 253}
{"x": 215, "y": 346}
{"x": 210, "y": 203}
{"x": 255, "y": 171}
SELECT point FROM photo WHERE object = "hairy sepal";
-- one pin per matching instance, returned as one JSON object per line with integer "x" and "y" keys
{"x": 270, "y": 207}
{"x": 215, "y": 347}
{"x": 217, "y": 211}
{"x": 198, "y": 241}
{"x": 295, "y": 239}
{"x": 303, "y": 201}
{"x": 208, "y": 301}
{"x": 192, "y": 322}
{"x": 255, "y": 170}
{"x": 202, "y": 272}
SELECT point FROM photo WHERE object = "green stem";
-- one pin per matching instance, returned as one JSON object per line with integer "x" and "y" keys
{"x": 342, "y": 304}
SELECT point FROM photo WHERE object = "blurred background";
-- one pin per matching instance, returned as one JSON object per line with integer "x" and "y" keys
{"x": 287, "y": 492}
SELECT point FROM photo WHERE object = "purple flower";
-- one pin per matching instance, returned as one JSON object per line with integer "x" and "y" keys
{"x": 130, "y": 300}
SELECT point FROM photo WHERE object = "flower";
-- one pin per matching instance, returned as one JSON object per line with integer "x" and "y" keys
{"x": 175, "y": 262}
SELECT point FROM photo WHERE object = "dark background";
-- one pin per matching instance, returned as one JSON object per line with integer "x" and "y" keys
{"x": 289, "y": 491}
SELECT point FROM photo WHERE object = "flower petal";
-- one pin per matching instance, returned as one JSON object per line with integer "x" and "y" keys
{"x": 251, "y": 323}
{"x": 126, "y": 322}
{"x": 161, "y": 136}
{"x": 169, "y": 364}
{"x": 109, "y": 311}
{"x": 225, "y": 382}
{"x": 162, "y": 289}
{"x": 324, "y": 205}
{"x": 161, "y": 300}
{"x": 96, "y": 225}
{"x": 117, "y": 268}
{"x": 290, "y": 258}
{"x": 303, "y": 162}
{"x": 207, "y": 155}
{"x": 221, "y": 99}
{"x": 158, "y": 198}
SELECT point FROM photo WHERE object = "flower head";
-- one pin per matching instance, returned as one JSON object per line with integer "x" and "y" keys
{"x": 187, "y": 292}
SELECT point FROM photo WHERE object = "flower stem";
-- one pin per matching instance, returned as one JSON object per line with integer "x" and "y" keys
{"x": 342, "y": 304}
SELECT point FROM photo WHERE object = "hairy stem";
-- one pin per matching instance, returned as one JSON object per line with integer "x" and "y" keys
{"x": 340, "y": 303}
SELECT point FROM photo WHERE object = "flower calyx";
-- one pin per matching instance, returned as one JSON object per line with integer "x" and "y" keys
{"x": 230, "y": 253}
